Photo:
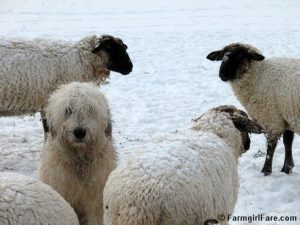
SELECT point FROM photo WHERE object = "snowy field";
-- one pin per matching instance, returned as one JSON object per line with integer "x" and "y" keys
{"x": 172, "y": 82}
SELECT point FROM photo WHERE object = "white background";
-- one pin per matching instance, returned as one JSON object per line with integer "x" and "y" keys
{"x": 172, "y": 81}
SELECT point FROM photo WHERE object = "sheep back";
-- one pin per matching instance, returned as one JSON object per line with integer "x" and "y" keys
{"x": 187, "y": 178}
{"x": 269, "y": 92}
{"x": 31, "y": 69}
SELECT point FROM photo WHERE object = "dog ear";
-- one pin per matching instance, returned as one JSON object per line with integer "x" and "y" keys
{"x": 108, "y": 130}
{"x": 52, "y": 132}
{"x": 216, "y": 55}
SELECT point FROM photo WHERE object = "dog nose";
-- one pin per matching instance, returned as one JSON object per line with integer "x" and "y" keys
{"x": 79, "y": 132}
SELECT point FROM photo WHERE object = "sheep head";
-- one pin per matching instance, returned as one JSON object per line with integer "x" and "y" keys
{"x": 242, "y": 123}
{"x": 118, "y": 58}
{"x": 234, "y": 58}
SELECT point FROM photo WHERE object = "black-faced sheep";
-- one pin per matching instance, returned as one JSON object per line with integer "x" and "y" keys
{"x": 31, "y": 69}
{"x": 186, "y": 177}
{"x": 269, "y": 90}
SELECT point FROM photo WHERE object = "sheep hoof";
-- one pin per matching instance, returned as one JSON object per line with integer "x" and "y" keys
{"x": 287, "y": 169}
{"x": 267, "y": 171}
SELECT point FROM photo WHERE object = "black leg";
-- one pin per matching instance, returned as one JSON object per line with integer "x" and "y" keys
{"x": 267, "y": 169}
{"x": 288, "y": 137}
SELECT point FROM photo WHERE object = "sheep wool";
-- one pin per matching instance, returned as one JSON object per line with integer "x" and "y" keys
{"x": 25, "y": 201}
{"x": 185, "y": 177}
{"x": 31, "y": 69}
{"x": 269, "y": 91}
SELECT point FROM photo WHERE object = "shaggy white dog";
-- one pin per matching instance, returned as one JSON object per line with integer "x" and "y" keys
{"x": 79, "y": 155}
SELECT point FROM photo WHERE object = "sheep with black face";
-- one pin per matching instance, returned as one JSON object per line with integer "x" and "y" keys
{"x": 30, "y": 70}
{"x": 268, "y": 89}
{"x": 185, "y": 177}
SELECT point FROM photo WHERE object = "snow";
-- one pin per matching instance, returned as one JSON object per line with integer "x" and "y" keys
{"x": 172, "y": 81}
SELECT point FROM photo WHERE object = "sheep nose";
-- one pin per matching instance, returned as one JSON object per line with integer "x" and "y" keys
{"x": 79, "y": 132}
{"x": 130, "y": 65}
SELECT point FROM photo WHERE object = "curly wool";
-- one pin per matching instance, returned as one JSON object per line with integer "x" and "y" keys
{"x": 185, "y": 177}
{"x": 269, "y": 92}
{"x": 31, "y": 69}
{"x": 24, "y": 201}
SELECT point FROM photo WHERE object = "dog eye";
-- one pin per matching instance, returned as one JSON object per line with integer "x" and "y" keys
{"x": 68, "y": 111}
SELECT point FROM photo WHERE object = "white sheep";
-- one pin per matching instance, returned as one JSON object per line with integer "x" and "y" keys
{"x": 25, "y": 201}
{"x": 31, "y": 69}
{"x": 79, "y": 154}
{"x": 269, "y": 90}
{"x": 185, "y": 177}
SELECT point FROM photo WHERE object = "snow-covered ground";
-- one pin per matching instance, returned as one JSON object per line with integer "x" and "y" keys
{"x": 172, "y": 81}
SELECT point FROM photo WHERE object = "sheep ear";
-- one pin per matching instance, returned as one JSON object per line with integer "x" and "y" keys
{"x": 108, "y": 130}
{"x": 103, "y": 43}
{"x": 255, "y": 56}
{"x": 216, "y": 55}
{"x": 244, "y": 124}
{"x": 97, "y": 46}
{"x": 226, "y": 108}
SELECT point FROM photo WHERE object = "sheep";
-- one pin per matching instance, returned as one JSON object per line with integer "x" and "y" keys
{"x": 268, "y": 89}
{"x": 186, "y": 177}
{"x": 25, "y": 201}
{"x": 30, "y": 70}
{"x": 79, "y": 154}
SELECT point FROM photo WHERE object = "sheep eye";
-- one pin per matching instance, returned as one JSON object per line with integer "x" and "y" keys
{"x": 109, "y": 48}
{"x": 227, "y": 54}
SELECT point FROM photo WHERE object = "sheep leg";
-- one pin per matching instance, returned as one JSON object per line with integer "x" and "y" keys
{"x": 288, "y": 137}
{"x": 267, "y": 169}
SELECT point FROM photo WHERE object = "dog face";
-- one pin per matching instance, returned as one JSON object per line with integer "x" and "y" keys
{"x": 82, "y": 126}
{"x": 79, "y": 118}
